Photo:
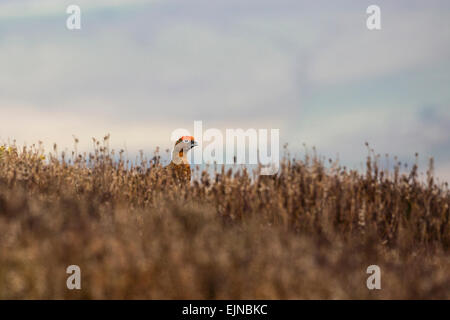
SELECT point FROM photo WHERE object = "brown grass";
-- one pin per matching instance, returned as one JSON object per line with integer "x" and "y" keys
{"x": 310, "y": 232}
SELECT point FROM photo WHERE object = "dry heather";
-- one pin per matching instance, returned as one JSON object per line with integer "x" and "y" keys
{"x": 309, "y": 232}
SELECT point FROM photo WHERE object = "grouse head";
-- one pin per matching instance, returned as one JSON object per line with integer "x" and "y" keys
{"x": 182, "y": 146}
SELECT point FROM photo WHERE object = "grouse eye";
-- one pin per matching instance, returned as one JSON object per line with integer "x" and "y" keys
{"x": 186, "y": 141}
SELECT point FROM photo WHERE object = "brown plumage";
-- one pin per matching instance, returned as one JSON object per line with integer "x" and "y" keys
{"x": 179, "y": 172}
{"x": 179, "y": 168}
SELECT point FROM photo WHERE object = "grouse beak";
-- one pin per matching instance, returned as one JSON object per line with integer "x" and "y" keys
{"x": 194, "y": 144}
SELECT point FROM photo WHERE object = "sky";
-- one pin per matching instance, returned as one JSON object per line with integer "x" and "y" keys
{"x": 140, "y": 69}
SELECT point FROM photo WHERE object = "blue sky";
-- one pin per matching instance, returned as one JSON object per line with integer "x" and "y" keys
{"x": 140, "y": 69}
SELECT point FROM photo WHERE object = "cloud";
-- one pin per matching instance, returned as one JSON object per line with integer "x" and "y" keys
{"x": 186, "y": 70}
{"x": 10, "y": 9}
{"x": 408, "y": 39}
{"x": 27, "y": 125}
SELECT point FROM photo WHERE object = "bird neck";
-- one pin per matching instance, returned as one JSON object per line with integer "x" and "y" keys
{"x": 179, "y": 157}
